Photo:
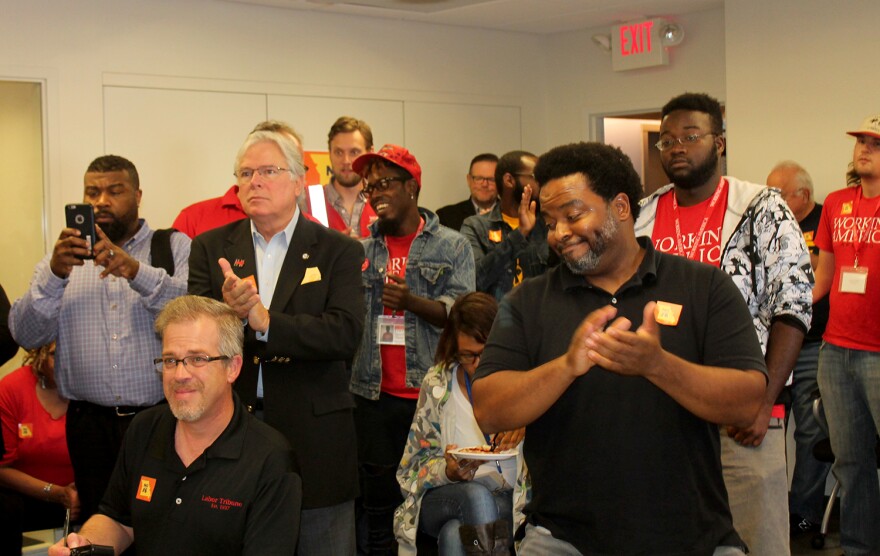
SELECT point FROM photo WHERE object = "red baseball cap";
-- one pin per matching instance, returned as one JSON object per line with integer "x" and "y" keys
{"x": 394, "y": 154}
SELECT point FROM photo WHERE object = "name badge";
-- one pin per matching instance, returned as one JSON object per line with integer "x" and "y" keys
{"x": 390, "y": 330}
{"x": 667, "y": 313}
{"x": 854, "y": 279}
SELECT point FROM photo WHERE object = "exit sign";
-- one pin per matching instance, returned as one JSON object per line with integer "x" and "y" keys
{"x": 637, "y": 45}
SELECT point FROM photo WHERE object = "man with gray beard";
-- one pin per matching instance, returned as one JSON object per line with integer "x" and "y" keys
{"x": 200, "y": 460}
{"x": 620, "y": 407}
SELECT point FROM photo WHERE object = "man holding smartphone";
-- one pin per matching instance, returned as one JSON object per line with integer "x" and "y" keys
{"x": 100, "y": 311}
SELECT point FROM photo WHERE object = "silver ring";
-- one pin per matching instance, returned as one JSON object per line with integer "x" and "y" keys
{"x": 110, "y": 253}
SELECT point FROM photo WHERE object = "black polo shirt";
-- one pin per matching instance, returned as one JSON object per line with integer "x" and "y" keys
{"x": 239, "y": 497}
{"x": 617, "y": 466}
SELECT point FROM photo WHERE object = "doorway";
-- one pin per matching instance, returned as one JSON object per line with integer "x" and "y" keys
{"x": 22, "y": 181}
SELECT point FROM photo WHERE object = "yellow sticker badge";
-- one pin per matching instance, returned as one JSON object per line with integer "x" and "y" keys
{"x": 25, "y": 430}
{"x": 667, "y": 313}
{"x": 145, "y": 490}
{"x": 846, "y": 208}
{"x": 495, "y": 236}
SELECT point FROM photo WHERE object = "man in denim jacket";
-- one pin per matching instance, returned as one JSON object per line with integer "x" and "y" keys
{"x": 413, "y": 272}
{"x": 510, "y": 242}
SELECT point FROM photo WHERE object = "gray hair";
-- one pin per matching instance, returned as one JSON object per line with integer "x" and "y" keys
{"x": 189, "y": 308}
{"x": 285, "y": 143}
{"x": 801, "y": 176}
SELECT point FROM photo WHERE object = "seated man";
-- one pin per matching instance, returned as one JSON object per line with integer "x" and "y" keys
{"x": 619, "y": 406}
{"x": 199, "y": 475}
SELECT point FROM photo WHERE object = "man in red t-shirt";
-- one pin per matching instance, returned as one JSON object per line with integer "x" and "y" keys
{"x": 748, "y": 231}
{"x": 849, "y": 363}
{"x": 414, "y": 270}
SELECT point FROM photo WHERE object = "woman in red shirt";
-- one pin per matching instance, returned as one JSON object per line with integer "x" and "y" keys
{"x": 36, "y": 478}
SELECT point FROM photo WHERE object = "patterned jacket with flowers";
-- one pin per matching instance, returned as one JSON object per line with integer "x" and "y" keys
{"x": 423, "y": 466}
{"x": 763, "y": 252}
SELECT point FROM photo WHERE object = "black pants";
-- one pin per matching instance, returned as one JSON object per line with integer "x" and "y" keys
{"x": 94, "y": 437}
{"x": 20, "y": 513}
{"x": 382, "y": 429}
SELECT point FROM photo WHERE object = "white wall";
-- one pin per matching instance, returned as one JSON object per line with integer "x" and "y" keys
{"x": 581, "y": 85}
{"x": 799, "y": 74}
{"x": 208, "y": 45}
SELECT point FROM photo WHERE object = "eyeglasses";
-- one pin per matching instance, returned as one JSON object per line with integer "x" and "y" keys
{"x": 245, "y": 175}
{"x": 467, "y": 357}
{"x": 194, "y": 361}
{"x": 669, "y": 142}
{"x": 524, "y": 175}
{"x": 482, "y": 180}
{"x": 382, "y": 184}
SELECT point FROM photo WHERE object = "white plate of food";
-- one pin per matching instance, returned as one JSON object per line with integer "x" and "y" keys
{"x": 483, "y": 452}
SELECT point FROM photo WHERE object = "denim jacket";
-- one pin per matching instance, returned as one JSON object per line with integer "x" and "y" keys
{"x": 497, "y": 248}
{"x": 440, "y": 267}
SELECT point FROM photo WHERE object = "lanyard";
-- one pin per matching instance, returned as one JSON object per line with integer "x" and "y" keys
{"x": 709, "y": 211}
{"x": 857, "y": 237}
{"x": 467, "y": 384}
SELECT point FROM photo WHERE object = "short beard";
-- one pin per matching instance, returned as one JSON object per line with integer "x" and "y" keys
{"x": 356, "y": 181}
{"x": 387, "y": 227}
{"x": 697, "y": 176}
{"x": 590, "y": 261}
{"x": 187, "y": 413}
{"x": 117, "y": 228}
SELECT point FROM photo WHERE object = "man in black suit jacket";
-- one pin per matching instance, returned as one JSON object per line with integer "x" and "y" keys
{"x": 298, "y": 287}
{"x": 484, "y": 193}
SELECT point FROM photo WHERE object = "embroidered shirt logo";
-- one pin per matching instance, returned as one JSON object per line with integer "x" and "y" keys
{"x": 146, "y": 488}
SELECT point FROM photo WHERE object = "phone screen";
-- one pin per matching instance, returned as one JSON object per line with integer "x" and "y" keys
{"x": 81, "y": 216}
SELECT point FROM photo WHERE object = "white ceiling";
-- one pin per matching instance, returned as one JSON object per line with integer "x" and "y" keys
{"x": 524, "y": 16}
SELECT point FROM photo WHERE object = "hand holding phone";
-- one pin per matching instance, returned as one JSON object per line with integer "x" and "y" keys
{"x": 72, "y": 246}
{"x": 81, "y": 217}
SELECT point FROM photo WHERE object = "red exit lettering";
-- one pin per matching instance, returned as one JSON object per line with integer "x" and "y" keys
{"x": 636, "y": 38}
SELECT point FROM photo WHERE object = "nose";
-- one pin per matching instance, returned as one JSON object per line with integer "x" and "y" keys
{"x": 181, "y": 373}
{"x": 561, "y": 234}
{"x": 103, "y": 199}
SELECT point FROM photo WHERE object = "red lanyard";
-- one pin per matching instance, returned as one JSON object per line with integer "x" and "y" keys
{"x": 709, "y": 211}
{"x": 857, "y": 243}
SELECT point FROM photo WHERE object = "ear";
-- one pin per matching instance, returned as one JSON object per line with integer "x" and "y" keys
{"x": 412, "y": 188}
{"x": 234, "y": 368}
{"x": 298, "y": 186}
{"x": 138, "y": 192}
{"x": 720, "y": 144}
{"x": 509, "y": 181}
{"x": 620, "y": 206}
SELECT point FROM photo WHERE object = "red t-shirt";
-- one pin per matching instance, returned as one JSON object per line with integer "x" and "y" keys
{"x": 209, "y": 214}
{"x": 847, "y": 219}
{"x": 394, "y": 357}
{"x": 708, "y": 249}
{"x": 34, "y": 442}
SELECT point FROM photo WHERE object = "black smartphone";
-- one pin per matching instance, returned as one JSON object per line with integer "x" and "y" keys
{"x": 81, "y": 216}
{"x": 93, "y": 549}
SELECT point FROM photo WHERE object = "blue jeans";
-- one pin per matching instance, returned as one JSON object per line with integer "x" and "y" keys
{"x": 808, "y": 478}
{"x": 446, "y": 508}
{"x": 849, "y": 380}
{"x": 539, "y": 542}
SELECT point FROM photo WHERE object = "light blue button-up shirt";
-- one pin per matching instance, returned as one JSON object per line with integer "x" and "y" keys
{"x": 270, "y": 256}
